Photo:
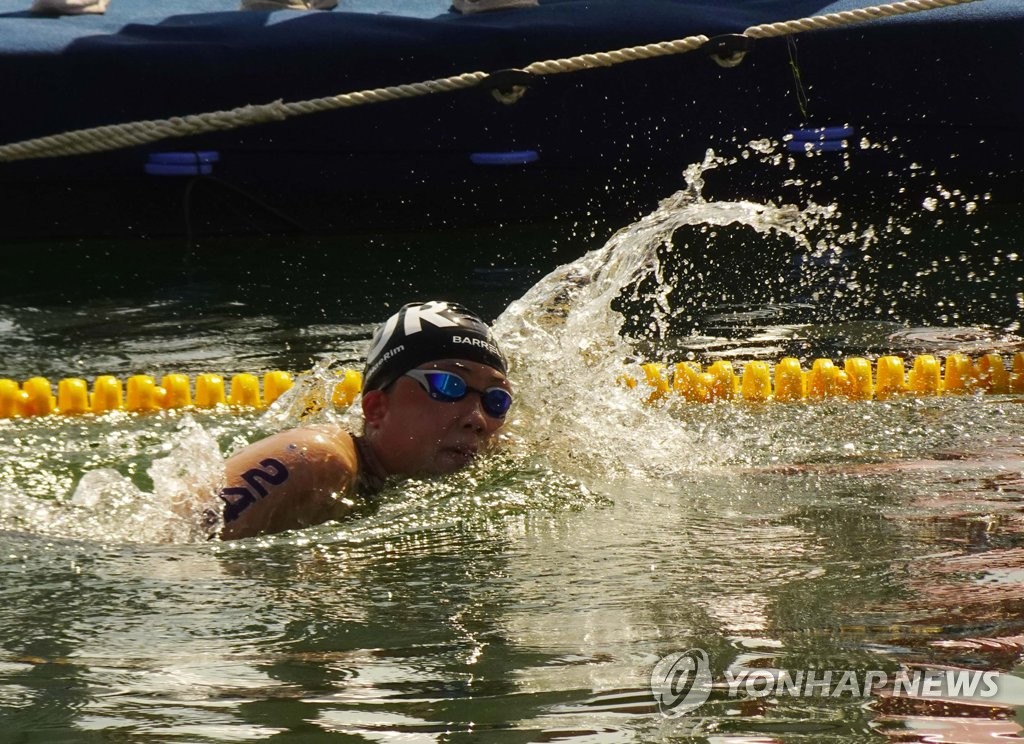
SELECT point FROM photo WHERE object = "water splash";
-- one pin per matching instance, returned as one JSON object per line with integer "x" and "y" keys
{"x": 109, "y": 505}
{"x": 737, "y": 279}
{"x": 568, "y": 342}
{"x": 309, "y": 402}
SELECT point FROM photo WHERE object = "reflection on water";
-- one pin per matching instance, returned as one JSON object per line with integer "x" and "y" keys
{"x": 529, "y": 597}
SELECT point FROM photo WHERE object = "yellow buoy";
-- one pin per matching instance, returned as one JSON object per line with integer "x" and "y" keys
{"x": 688, "y": 384}
{"x": 843, "y": 384}
{"x": 926, "y": 376}
{"x": 890, "y": 377}
{"x": 245, "y": 391}
{"x": 1017, "y": 376}
{"x": 826, "y": 380}
{"x": 276, "y": 383}
{"x": 72, "y": 396}
{"x": 11, "y": 402}
{"x": 40, "y": 397}
{"x": 142, "y": 394}
{"x": 210, "y": 391}
{"x": 23, "y": 404}
{"x": 790, "y": 381}
{"x": 707, "y": 384}
{"x": 756, "y": 382}
{"x": 177, "y": 389}
{"x": 351, "y": 383}
{"x": 992, "y": 375}
{"x": 959, "y": 375}
{"x": 106, "y": 394}
{"x": 657, "y": 379}
{"x": 723, "y": 382}
{"x": 693, "y": 384}
{"x": 862, "y": 386}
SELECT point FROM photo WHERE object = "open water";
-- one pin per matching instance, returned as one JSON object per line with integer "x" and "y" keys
{"x": 533, "y": 597}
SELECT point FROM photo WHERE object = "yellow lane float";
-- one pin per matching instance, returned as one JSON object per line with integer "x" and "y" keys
{"x": 141, "y": 393}
{"x": 854, "y": 380}
{"x": 786, "y": 381}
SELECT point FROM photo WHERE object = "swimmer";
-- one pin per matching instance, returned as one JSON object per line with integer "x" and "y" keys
{"x": 435, "y": 393}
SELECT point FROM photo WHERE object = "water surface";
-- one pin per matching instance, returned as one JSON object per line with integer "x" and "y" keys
{"x": 529, "y": 597}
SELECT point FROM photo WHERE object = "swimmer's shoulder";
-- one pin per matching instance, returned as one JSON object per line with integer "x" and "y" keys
{"x": 295, "y": 478}
{"x": 324, "y": 448}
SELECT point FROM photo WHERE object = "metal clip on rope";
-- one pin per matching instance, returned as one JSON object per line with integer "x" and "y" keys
{"x": 508, "y": 86}
{"x": 729, "y": 50}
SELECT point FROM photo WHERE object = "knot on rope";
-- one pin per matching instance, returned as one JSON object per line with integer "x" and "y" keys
{"x": 264, "y": 113}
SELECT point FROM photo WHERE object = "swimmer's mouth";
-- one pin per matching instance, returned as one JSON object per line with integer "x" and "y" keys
{"x": 467, "y": 451}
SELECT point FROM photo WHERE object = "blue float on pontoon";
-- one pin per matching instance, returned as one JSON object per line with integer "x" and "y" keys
{"x": 938, "y": 88}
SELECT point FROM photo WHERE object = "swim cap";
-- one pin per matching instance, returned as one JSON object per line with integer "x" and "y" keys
{"x": 422, "y": 332}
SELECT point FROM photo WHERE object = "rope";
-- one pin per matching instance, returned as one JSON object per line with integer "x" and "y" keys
{"x": 847, "y": 17}
{"x": 118, "y": 136}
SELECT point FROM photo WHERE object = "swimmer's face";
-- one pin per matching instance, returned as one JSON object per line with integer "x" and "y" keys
{"x": 413, "y": 434}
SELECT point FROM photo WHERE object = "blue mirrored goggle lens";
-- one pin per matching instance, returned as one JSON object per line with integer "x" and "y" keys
{"x": 446, "y": 386}
{"x": 496, "y": 402}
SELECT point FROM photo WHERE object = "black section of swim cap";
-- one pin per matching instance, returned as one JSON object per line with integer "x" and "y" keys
{"x": 440, "y": 330}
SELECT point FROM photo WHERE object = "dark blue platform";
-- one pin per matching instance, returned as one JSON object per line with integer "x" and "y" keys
{"x": 941, "y": 90}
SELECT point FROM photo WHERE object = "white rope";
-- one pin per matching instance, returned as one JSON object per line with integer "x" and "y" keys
{"x": 607, "y": 59}
{"x": 847, "y": 17}
{"x": 116, "y": 136}
{"x": 132, "y": 134}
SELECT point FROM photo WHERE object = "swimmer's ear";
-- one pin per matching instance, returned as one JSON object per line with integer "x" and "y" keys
{"x": 375, "y": 406}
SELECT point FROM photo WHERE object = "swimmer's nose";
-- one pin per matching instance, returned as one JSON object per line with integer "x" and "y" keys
{"x": 474, "y": 417}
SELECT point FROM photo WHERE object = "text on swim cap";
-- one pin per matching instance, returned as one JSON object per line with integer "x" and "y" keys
{"x": 477, "y": 342}
{"x": 385, "y": 356}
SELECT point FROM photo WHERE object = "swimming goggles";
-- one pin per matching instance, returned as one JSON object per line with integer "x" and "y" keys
{"x": 449, "y": 387}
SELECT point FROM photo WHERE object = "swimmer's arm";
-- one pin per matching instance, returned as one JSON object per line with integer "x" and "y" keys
{"x": 292, "y": 479}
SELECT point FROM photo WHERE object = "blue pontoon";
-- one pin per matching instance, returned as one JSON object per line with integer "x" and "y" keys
{"x": 859, "y": 106}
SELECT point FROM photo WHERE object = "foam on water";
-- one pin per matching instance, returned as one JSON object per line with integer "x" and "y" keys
{"x": 107, "y": 505}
